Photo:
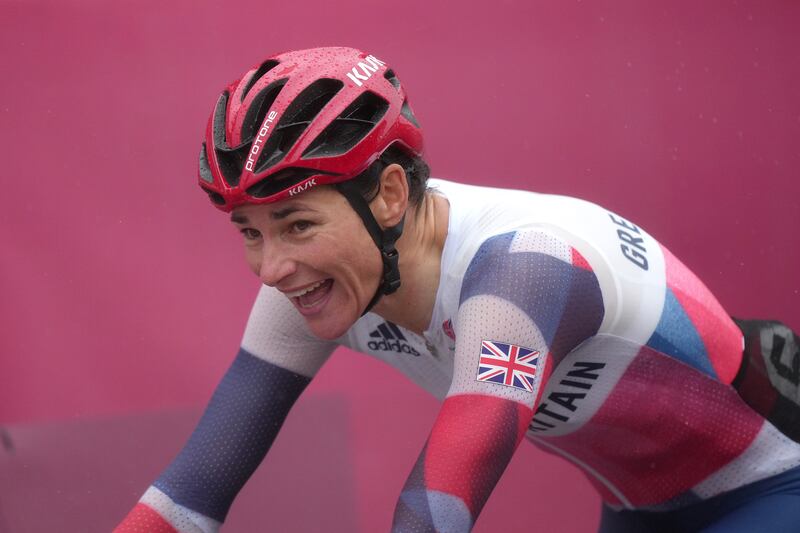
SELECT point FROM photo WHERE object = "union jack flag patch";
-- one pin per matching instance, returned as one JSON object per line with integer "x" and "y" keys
{"x": 507, "y": 364}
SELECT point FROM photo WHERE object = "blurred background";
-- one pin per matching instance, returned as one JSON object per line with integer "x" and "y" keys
{"x": 124, "y": 294}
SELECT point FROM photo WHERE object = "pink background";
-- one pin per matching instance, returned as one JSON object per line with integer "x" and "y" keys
{"x": 124, "y": 294}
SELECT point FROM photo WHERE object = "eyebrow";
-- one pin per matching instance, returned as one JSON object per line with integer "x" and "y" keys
{"x": 236, "y": 218}
{"x": 286, "y": 211}
{"x": 279, "y": 214}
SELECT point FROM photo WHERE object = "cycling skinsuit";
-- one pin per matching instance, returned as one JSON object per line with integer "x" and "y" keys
{"x": 555, "y": 320}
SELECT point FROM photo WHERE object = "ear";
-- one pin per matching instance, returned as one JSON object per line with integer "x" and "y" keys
{"x": 390, "y": 204}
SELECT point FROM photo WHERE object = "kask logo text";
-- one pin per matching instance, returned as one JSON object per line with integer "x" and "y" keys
{"x": 364, "y": 70}
{"x": 302, "y": 187}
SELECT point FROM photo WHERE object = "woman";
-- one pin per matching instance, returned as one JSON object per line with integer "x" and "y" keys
{"x": 529, "y": 315}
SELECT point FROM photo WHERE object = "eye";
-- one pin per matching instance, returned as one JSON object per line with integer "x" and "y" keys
{"x": 250, "y": 234}
{"x": 300, "y": 226}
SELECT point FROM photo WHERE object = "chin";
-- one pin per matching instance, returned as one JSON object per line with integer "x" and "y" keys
{"x": 335, "y": 319}
{"x": 323, "y": 329}
{"x": 331, "y": 325}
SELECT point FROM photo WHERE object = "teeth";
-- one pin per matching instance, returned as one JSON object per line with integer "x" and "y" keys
{"x": 301, "y": 292}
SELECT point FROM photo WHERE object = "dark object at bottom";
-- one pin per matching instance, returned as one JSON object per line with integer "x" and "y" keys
{"x": 769, "y": 377}
{"x": 769, "y": 505}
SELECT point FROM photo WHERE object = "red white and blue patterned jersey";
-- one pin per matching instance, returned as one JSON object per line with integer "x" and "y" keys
{"x": 637, "y": 355}
{"x": 555, "y": 320}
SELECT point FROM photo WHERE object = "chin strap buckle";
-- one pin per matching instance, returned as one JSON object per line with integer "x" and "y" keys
{"x": 391, "y": 271}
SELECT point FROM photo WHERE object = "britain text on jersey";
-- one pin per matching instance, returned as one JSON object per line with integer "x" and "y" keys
{"x": 567, "y": 397}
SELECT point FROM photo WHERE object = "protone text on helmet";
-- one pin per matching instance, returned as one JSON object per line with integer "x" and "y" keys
{"x": 262, "y": 133}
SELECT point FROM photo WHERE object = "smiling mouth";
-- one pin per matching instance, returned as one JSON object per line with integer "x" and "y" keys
{"x": 310, "y": 297}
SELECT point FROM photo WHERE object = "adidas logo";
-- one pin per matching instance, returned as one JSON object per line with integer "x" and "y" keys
{"x": 389, "y": 338}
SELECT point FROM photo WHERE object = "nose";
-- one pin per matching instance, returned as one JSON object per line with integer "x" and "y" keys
{"x": 276, "y": 265}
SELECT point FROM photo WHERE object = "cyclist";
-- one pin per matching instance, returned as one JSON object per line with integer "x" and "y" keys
{"x": 530, "y": 316}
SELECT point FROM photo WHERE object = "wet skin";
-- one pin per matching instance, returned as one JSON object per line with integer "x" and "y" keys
{"x": 315, "y": 250}
{"x": 314, "y": 238}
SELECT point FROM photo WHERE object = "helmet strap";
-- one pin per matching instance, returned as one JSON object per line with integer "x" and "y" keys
{"x": 384, "y": 239}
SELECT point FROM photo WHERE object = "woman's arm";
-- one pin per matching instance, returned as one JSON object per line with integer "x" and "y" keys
{"x": 238, "y": 426}
{"x": 527, "y": 299}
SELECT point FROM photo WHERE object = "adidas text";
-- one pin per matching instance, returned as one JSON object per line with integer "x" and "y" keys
{"x": 394, "y": 346}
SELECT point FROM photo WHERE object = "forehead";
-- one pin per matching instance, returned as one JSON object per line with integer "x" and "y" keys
{"x": 323, "y": 199}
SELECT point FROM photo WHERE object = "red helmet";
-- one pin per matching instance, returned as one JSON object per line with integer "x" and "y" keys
{"x": 302, "y": 119}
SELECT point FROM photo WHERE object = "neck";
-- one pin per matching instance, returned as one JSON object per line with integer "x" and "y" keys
{"x": 420, "y": 250}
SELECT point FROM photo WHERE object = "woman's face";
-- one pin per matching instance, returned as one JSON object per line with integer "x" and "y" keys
{"x": 317, "y": 252}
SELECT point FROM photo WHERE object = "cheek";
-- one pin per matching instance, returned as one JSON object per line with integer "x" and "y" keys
{"x": 253, "y": 259}
{"x": 351, "y": 249}
{"x": 363, "y": 262}
{"x": 347, "y": 249}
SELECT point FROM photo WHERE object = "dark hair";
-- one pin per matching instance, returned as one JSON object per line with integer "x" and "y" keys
{"x": 417, "y": 173}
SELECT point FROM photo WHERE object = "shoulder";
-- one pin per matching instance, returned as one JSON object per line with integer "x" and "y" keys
{"x": 539, "y": 248}
{"x": 277, "y": 333}
{"x": 536, "y": 278}
{"x": 520, "y": 263}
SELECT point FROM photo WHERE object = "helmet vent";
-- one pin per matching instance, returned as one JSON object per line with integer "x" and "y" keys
{"x": 406, "y": 112}
{"x": 390, "y": 75}
{"x": 258, "y": 109}
{"x": 265, "y": 67}
{"x": 205, "y": 171}
{"x": 219, "y": 122}
{"x": 296, "y": 119}
{"x": 215, "y": 196}
{"x": 229, "y": 160}
{"x": 280, "y": 181}
{"x": 349, "y": 128}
